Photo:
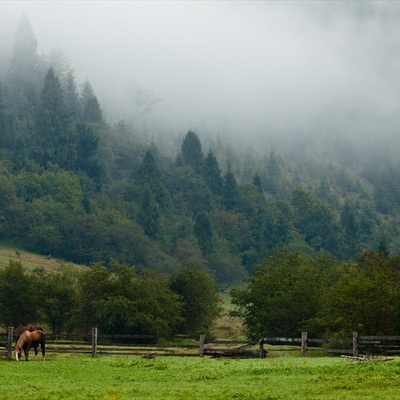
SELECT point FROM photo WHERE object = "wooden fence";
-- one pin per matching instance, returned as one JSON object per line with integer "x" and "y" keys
{"x": 146, "y": 346}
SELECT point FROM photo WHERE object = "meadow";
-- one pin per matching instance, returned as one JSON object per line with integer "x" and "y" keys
{"x": 117, "y": 377}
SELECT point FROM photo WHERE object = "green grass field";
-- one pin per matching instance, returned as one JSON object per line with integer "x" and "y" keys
{"x": 81, "y": 377}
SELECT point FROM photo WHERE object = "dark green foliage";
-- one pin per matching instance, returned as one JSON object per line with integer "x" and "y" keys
{"x": 204, "y": 232}
{"x": 119, "y": 300}
{"x": 72, "y": 97}
{"x": 230, "y": 191}
{"x": 281, "y": 296}
{"x": 212, "y": 174}
{"x": 149, "y": 175}
{"x": 91, "y": 111}
{"x": 58, "y": 298}
{"x": 315, "y": 221}
{"x": 150, "y": 215}
{"x": 201, "y": 302}
{"x": 189, "y": 192}
{"x": 55, "y": 139}
{"x": 87, "y": 160}
{"x": 18, "y": 298}
{"x": 191, "y": 152}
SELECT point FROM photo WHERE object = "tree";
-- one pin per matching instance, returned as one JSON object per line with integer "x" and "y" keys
{"x": 18, "y": 298}
{"x": 121, "y": 301}
{"x": 189, "y": 192}
{"x": 72, "y": 96}
{"x": 204, "y": 232}
{"x": 87, "y": 157}
{"x": 230, "y": 191}
{"x": 150, "y": 214}
{"x": 314, "y": 219}
{"x": 365, "y": 299}
{"x": 283, "y": 295}
{"x": 58, "y": 298}
{"x": 149, "y": 175}
{"x": 201, "y": 302}
{"x": 25, "y": 73}
{"x": 55, "y": 139}
{"x": 91, "y": 111}
{"x": 191, "y": 151}
{"x": 212, "y": 173}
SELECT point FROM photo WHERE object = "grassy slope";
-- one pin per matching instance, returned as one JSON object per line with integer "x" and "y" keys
{"x": 30, "y": 261}
{"x": 194, "y": 378}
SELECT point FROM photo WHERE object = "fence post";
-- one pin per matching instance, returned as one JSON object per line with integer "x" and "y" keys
{"x": 9, "y": 341}
{"x": 94, "y": 342}
{"x": 263, "y": 353}
{"x": 202, "y": 341}
{"x": 355, "y": 344}
{"x": 303, "y": 344}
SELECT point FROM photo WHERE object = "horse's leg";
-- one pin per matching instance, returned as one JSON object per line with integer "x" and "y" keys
{"x": 36, "y": 351}
{"x": 26, "y": 353}
{"x": 43, "y": 350}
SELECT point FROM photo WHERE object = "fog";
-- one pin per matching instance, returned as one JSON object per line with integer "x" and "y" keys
{"x": 245, "y": 68}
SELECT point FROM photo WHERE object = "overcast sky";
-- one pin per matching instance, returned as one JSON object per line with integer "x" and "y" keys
{"x": 235, "y": 66}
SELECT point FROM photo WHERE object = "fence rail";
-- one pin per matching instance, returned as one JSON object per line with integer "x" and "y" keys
{"x": 150, "y": 346}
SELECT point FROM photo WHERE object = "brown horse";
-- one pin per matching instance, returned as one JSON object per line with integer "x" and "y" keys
{"x": 21, "y": 329}
{"x": 28, "y": 340}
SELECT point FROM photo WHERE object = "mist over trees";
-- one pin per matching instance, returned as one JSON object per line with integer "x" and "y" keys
{"x": 80, "y": 186}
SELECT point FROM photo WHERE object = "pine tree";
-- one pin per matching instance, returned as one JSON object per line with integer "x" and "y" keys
{"x": 204, "y": 232}
{"x": 72, "y": 96}
{"x": 192, "y": 153}
{"x": 212, "y": 173}
{"x": 150, "y": 214}
{"x": 230, "y": 191}
{"x": 55, "y": 139}
{"x": 149, "y": 174}
{"x": 26, "y": 72}
{"x": 87, "y": 161}
{"x": 91, "y": 111}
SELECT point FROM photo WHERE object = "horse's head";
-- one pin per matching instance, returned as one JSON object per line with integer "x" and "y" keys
{"x": 17, "y": 354}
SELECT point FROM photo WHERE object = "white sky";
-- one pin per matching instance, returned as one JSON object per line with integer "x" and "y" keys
{"x": 231, "y": 65}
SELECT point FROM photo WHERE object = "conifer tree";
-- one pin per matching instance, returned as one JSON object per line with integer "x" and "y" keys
{"x": 204, "y": 232}
{"x": 72, "y": 96}
{"x": 149, "y": 174}
{"x": 26, "y": 72}
{"x": 150, "y": 214}
{"x": 212, "y": 173}
{"x": 90, "y": 107}
{"x": 191, "y": 151}
{"x": 230, "y": 191}
{"x": 55, "y": 138}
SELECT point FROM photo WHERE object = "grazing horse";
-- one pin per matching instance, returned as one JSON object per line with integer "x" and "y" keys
{"x": 28, "y": 340}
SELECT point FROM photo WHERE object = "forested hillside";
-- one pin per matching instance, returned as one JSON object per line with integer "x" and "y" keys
{"x": 76, "y": 186}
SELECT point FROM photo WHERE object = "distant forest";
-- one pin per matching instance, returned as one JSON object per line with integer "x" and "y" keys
{"x": 76, "y": 186}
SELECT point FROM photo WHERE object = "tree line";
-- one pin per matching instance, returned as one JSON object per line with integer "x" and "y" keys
{"x": 117, "y": 300}
{"x": 290, "y": 293}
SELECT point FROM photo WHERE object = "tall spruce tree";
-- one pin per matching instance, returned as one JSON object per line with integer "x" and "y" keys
{"x": 204, "y": 232}
{"x": 26, "y": 71}
{"x": 55, "y": 138}
{"x": 91, "y": 111}
{"x": 191, "y": 151}
{"x": 230, "y": 191}
{"x": 72, "y": 96}
{"x": 150, "y": 214}
{"x": 212, "y": 173}
{"x": 149, "y": 174}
